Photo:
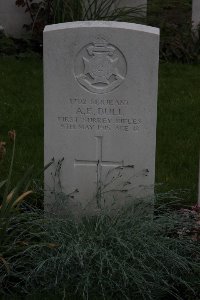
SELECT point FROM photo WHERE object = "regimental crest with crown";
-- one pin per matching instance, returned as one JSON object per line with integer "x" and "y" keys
{"x": 100, "y": 67}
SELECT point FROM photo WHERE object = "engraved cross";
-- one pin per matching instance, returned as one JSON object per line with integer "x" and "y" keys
{"x": 99, "y": 163}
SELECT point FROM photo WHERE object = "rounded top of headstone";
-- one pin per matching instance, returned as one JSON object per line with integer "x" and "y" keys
{"x": 108, "y": 24}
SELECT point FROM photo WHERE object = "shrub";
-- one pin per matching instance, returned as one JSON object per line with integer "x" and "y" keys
{"x": 47, "y": 12}
{"x": 174, "y": 18}
{"x": 11, "y": 199}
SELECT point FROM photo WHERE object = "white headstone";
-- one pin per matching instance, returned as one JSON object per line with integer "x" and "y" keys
{"x": 195, "y": 13}
{"x": 100, "y": 85}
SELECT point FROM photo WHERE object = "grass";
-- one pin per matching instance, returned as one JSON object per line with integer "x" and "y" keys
{"x": 178, "y": 128}
{"x": 21, "y": 102}
{"x": 127, "y": 256}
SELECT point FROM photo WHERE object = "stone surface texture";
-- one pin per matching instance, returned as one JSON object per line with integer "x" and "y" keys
{"x": 100, "y": 88}
{"x": 12, "y": 18}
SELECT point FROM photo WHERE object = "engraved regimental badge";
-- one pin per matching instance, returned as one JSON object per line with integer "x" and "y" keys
{"x": 100, "y": 67}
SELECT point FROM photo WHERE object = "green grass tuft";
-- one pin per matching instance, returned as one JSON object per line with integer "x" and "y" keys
{"x": 126, "y": 256}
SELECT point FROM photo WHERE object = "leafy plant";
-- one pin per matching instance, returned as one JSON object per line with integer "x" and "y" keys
{"x": 7, "y": 45}
{"x": 12, "y": 199}
{"x": 57, "y": 11}
{"x": 178, "y": 41}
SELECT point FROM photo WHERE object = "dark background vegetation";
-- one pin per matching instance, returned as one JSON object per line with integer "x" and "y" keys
{"x": 173, "y": 17}
{"x": 131, "y": 254}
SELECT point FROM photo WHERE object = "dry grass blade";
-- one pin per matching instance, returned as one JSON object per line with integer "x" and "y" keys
{"x": 20, "y": 199}
{"x": 5, "y": 264}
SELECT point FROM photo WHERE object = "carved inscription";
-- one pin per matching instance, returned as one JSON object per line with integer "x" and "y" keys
{"x": 100, "y": 67}
{"x": 99, "y": 114}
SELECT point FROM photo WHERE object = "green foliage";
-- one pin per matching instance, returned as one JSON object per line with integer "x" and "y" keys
{"x": 10, "y": 46}
{"x": 178, "y": 41}
{"x": 178, "y": 130}
{"x": 126, "y": 256}
{"x": 57, "y": 11}
{"x": 12, "y": 199}
{"x": 7, "y": 46}
{"x": 94, "y": 10}
{"x": 21, "y": 101}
